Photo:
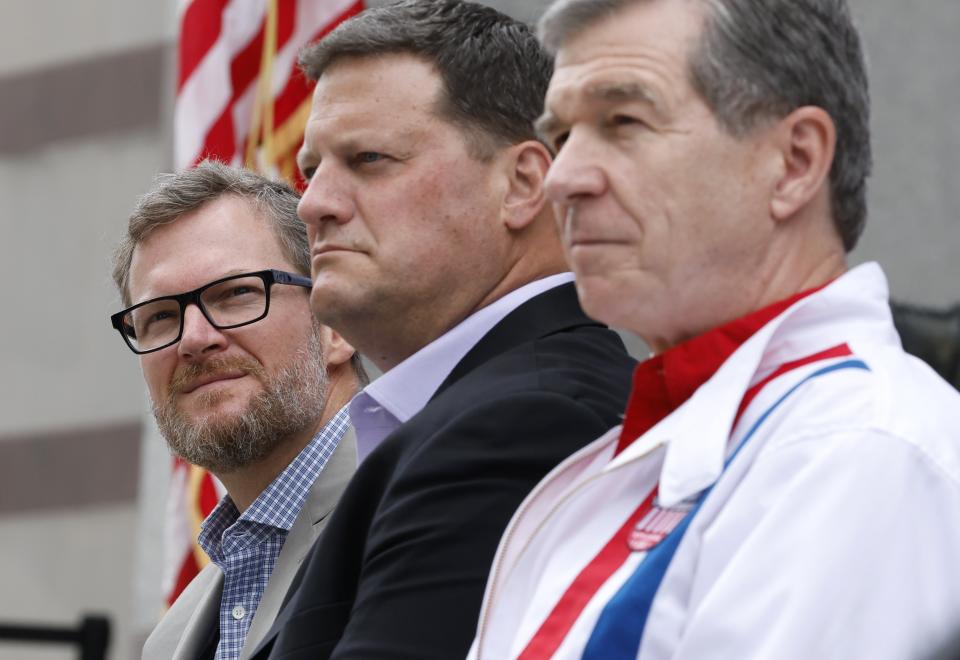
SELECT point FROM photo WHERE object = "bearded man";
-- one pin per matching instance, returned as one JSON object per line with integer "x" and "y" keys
{"x": 244, "y": 383}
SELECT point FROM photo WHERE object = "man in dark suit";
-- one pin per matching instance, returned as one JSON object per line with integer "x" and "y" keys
{"x": 435, "y": 255}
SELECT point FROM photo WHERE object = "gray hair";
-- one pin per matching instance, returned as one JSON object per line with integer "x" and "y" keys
{"x": 176, "y": 194}
{"x": 761, "y": 59}
{"x": 493, "y": 69}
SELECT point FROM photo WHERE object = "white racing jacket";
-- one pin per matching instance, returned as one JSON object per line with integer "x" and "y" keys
{"x": 834, "y": 532}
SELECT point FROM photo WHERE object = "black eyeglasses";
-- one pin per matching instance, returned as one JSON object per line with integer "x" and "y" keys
{"x": 229, "y": 302}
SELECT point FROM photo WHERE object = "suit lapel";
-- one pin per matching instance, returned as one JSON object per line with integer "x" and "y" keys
{"x": 204, "y": 617}
{"x": 321, "y": 500}
{"x": 554, "y": 310}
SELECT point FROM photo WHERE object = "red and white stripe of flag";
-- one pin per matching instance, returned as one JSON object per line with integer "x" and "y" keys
{"x": 237, "y": 66}
{"x": 242, "y": 100}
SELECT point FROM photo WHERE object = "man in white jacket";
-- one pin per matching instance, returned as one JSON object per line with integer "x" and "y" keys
{"x": 786, "y": 482}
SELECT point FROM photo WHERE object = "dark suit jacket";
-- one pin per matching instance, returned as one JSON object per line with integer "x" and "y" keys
{"x": 401, "y": 568}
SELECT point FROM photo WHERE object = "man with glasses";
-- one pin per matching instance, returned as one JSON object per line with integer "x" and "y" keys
{"x": 244, "y": 382}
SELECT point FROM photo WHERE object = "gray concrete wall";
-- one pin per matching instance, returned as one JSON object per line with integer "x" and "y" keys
{"x": 914, "y": 225}
{"x": 82, "y": 132}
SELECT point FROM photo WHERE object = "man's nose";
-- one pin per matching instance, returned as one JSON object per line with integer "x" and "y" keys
{"x": 328, "y": 197}
{"x": 199, "y": 339}
{"x": 577, "y": 172}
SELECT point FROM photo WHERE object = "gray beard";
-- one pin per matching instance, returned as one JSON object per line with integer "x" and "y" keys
{"x": 290, "y": 402}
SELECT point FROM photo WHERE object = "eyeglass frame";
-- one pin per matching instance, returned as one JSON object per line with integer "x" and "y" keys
{"x": 269, "y": 276}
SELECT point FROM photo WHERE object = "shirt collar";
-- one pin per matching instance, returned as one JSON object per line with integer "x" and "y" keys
{"x": 665, "y": 381}
{"x": 279, "y": 504}
{"x": 403, "y": 391}
{"x": 212, "y": 529}
{"x": 852, "y": 309}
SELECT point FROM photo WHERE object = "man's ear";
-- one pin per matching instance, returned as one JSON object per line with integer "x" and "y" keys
{"x": 527, "y": 164}
{"x": 806, "y": 139}
{"x": 336, "y": 350}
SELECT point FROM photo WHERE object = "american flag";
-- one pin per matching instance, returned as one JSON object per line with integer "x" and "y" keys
{"x": 242, "y": 100}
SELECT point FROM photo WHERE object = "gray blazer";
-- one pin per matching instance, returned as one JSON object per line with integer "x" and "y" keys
{"x": 185, "y": 628}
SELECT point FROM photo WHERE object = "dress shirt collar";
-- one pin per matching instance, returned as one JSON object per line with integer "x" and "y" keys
{"x": 279, "y": 504}
{"x": 665, "y": 381}
{"x": 403, "y": 391}
{"x": 852, "y": 306}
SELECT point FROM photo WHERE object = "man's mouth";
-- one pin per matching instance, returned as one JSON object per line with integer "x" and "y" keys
{"x": 190, "y": 377}
{"x": 589, "y": 241}
{"x": 207, "y": 379}
{"x": 327, "y": 248}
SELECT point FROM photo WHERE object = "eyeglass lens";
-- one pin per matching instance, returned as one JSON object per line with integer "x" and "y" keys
{"x": 229, "y": 303}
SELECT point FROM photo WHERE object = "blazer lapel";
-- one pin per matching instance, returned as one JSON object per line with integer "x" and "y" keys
{"x": 197, "y": 631}
{"x": 321, "y": 501}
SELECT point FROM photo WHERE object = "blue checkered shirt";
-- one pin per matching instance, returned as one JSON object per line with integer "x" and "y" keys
{"x": 245, "y": 547}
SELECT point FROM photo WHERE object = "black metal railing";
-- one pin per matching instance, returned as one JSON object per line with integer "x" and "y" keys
{"x": 933, "y": 335}
{"x": 92, "y": 636}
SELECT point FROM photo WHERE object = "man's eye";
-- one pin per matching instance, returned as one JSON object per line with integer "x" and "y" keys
{"x": 626, "y": 120}
{"x": 365, "y": 157}
{"x": 151, "y": 323}
{"x": 560, "y": 140}
{"x": 156, "y": 317}
{"x": 241, "y": 294}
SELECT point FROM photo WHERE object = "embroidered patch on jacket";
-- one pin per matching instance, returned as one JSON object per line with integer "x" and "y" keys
{"x": 655, "y": 526}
